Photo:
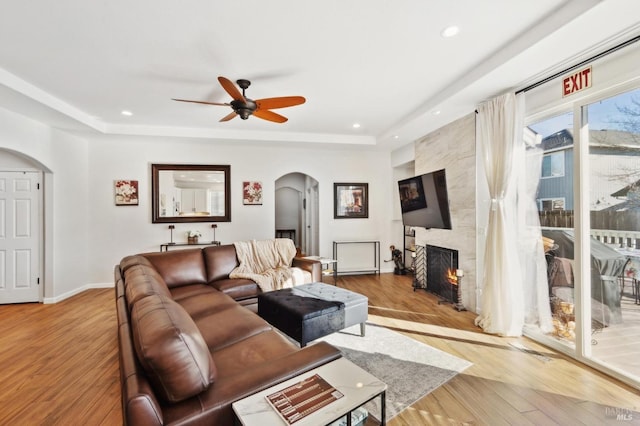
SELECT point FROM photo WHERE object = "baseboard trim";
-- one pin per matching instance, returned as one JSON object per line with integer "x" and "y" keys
{"x": 61, "y": 297}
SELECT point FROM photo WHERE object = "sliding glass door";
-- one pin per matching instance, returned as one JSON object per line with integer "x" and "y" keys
{"x": 588, "y": 201}
{"x": 555, "y": 202}
{"x": 614, "y": 226}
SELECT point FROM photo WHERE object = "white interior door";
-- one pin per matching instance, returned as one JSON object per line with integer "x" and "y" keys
{"x": 19, "y": 237}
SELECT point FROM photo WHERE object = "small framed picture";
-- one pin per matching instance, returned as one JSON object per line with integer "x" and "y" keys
{"x": 126, "y": 192}
{"x": 252, "y": 193}
{"x": 350, "y": 200}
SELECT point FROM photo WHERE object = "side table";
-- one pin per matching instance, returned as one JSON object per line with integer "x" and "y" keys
{"x": 331, "y": 266}
{"x": 357, "y": 385}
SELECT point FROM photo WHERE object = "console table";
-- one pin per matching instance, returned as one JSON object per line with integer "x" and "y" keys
{"x": 165, "y": 246}
{"x": 376, "y": 255}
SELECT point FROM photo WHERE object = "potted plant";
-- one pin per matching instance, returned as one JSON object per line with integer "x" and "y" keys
{"x": 192, "y": 236}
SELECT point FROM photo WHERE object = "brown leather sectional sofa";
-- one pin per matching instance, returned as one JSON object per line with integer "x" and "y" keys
{"x": 189, "y": 347}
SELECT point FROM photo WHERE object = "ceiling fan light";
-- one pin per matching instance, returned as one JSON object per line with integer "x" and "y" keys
{"x": 245, "y": 107}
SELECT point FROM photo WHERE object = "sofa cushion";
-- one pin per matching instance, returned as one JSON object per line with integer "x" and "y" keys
{"x": 185, "y": 292}
{"x": 237, "y": 288}
{"x": 220, "y": 260}
{"x": 182, "y": 267}
{"x": 171, "y": 349}
{"x": 142, "y": 281}
{"x": 229, "y": 326}
{"x": 206, "y": 303}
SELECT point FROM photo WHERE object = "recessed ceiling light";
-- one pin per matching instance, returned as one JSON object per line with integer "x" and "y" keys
{"x": 356, "y": 125}
{"x": 436, "y": 112}
{"x": 396, "y": 136}
{"x": 127, "y": 113}
{"x": 450, "y": 31}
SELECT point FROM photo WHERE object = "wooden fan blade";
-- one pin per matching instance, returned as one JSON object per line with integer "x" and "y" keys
{"x": 282, "y": 102}
{"x": 231, "y": 89}
{"x": 201, "y": 102}
{"x": 265, "y": 114}
{"x": 229, "y": 116}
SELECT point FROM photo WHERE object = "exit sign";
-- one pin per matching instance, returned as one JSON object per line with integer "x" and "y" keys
{"x": 576, "y": 82}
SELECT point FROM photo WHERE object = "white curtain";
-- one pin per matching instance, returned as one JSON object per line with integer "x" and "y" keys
{"x": 528, "y": 164}
{"x": 500, "y": 125}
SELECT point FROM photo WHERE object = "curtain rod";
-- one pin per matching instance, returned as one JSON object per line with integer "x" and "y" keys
{"x": 578, "y": 65}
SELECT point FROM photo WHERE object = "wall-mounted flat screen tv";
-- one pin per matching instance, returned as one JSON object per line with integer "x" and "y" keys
{"x": 424, "y": 201}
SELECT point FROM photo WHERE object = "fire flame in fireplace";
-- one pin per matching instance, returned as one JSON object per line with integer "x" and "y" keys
{"x": 451, "y": 276}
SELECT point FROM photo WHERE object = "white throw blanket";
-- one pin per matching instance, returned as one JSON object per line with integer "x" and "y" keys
{"x": 265, "y": 262}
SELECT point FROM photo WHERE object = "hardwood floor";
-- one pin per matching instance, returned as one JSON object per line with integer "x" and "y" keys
{"x": 60, "y": 362}
{"x": 60, "y": 365}
{"x": 513, "y": 381}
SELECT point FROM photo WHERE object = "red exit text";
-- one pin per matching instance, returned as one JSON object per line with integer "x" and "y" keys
{"x": 576, "y": 82}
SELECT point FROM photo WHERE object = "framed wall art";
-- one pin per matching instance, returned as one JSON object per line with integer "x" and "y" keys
{"x": 126, "y": 192}
{"x": 350, "y": 200}
{"x": 252, "y": 193}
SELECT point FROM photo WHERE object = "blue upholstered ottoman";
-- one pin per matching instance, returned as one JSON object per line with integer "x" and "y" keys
{"x": 310, "y": 311}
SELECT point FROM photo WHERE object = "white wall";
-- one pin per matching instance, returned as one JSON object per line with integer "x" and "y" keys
{"x": 400, "y": 172}
{"x": 86, "y": 234}
{"x": 63, "y": 158}
{"x": 115, "y": 232}
{"x": 71, "y": 202}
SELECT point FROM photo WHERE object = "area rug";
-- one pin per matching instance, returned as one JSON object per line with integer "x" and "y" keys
{"x": 410, "y": 368}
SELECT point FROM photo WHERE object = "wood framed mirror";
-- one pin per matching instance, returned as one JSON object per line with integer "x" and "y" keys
{"x": 190, "y": 193}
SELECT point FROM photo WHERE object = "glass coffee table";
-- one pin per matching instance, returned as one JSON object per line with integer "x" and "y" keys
{"x": 356, "y": 386}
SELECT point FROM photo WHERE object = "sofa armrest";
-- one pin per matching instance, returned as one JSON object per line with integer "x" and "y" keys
{"x": 314, "y": 267}
{"x": 251, "y": 380}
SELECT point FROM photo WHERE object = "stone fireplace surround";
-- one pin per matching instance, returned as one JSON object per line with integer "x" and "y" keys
{"x": 453, "y": 147}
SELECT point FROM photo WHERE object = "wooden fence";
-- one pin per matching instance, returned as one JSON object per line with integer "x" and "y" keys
{"x": 628, "y": 220}
{"x": 556, "y": 218}
{"x": 622, "y": 227}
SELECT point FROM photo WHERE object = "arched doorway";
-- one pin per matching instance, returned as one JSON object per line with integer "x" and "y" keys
{"x": 296, "y": 211}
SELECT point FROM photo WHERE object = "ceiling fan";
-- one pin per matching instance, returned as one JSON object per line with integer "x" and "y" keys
{"x": 245, "y": 107}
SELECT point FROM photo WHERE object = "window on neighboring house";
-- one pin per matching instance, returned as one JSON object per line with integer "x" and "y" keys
{"x": 553, "y": 165}
{"x": 552, "y": 204}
